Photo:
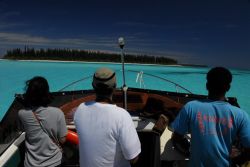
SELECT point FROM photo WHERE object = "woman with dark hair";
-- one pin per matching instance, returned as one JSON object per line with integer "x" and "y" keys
{"x": 44, "y": 126}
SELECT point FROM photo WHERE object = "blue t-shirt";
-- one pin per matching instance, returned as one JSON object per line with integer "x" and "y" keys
{"x": 213, "y": 126}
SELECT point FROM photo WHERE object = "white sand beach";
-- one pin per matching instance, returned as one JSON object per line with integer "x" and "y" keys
{"x": 67, "y": 61}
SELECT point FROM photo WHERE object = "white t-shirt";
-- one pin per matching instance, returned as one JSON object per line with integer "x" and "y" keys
{"x": 107, "y": 136}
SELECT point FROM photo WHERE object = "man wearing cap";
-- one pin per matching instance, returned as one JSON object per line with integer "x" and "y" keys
{"x": 107, "y": 136}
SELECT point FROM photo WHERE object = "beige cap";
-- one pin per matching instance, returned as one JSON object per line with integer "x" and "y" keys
{"x": 104, "y": 78}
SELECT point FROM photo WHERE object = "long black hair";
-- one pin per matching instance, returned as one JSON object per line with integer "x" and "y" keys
{"x": 37, "y": 92}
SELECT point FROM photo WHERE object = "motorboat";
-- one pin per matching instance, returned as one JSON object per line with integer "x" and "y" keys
{"x": 146, "y": 107}
{"x": 150, "y": 109}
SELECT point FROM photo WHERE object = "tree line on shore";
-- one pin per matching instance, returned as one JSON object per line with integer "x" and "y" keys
{"x": 83, "y": 55}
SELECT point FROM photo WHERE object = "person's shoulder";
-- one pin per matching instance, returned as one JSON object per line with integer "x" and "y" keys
{"x": 193, "y": 103}
{"x": 120, "y": 109}
{"x": 122, "y": 113}
{"x": 198, "y": 102}
{"x": 86, "y": 104}
{"x": 22, "y": 112}
{"x": 238, "y": 111}
{"x": 117, "y": 111}
{"x": 235, "y": 108}
{"x": 55, "y": 109}
{"x": 55, "y": 113}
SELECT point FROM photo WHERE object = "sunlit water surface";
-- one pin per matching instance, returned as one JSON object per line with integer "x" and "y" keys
{"x": 13, "y": 75}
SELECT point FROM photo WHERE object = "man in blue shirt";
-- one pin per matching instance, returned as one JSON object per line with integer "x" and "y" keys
{"x": 214, "y": 125}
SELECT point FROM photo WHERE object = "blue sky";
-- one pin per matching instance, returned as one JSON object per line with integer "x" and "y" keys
{"x": 210, "y": 32}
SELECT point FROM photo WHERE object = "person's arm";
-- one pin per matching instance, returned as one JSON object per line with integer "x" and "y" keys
{"x": 134, "y": 160}
{"x": 62, "y": 140}
{"x": 181, "y": 143}
{"x": 62, "y": 132}
{"x": 244, "y": 137}
{"x": 128, "y": 139}
{"x": 177, "y": 137}
{"x": 19, "y": 122}
{"x": 180, "y": 127}
{"x": 243, "y": 157}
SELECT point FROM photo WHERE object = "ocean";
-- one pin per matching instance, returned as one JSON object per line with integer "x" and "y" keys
{"x": 14, "y": 74}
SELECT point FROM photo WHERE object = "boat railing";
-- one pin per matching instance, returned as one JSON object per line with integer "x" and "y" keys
{"x": 75, "y": 82}
{"x": 141, "y": 73}
{"x": 139, "y": 79}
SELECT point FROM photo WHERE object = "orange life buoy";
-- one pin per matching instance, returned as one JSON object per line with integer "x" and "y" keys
{"x": 72, "y": 137}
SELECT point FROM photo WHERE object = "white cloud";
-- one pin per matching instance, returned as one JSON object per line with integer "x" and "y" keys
{"x": 26, "y": 39}
{"x": 107, "y": 44}
{"x": 15, "y": 38}
{"x": 4, "y": 25}
{"x": 7, "y": 15}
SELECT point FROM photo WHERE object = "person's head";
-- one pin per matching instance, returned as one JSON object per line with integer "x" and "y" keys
{"x": 37, "y": 92}
{"x": 104, "y": 82}
{"x": 218, "y": 81}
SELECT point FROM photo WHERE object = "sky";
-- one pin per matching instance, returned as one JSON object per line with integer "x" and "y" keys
{"x": 207, "y": 32}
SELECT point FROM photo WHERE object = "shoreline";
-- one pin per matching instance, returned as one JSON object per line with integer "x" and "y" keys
{"x": 67, "y": 61}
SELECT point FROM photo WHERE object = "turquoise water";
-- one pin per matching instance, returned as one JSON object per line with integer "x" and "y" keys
{"x": 14, "y": 74}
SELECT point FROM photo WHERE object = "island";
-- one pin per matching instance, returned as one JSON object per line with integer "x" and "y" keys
{"x": 84, "y": 55}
